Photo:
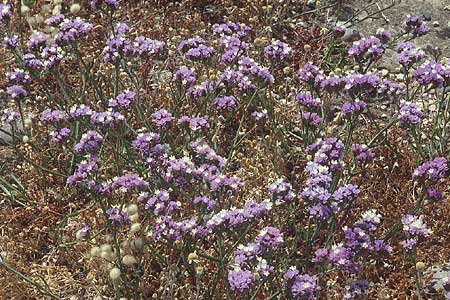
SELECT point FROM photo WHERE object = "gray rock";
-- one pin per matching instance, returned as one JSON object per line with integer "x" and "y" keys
{"x": 6, "y": 133}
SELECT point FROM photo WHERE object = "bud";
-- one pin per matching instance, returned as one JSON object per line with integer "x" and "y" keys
{"x": 138, "y": 244}
{"x": 134, "y": 218}
{"x": 135, "y": 227}
{"x": 24, "y": 9}
{"x": 95, "y": 251}
{"x": 114, "y": 274}
{"x": 129, "y": 260}
{"x": 307, "y": 47}
{"x": 25, "y": 139}
{"x": 199, "y": 269}
{"x": 192, "y": 257}
{"x": 75, "y": 8}
{"x": 132, "y": 209}
{"x": 420, "y": 266}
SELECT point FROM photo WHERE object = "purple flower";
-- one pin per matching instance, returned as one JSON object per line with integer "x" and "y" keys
{"x": 90, "y": 142}
{"x": 123, "y": 100}
{"x": 161, "y": 118}
{"x": 160, "y": 202}
{"x": 18, "y": 76}
{"x": 110, "y": 4}
{"x": 369, "y": 220}
{"x": 383, "y": 35}
{"x": 31, "y": 62}
{"x": 402, "y": 46}
{"x": 332, "y": 84}
{"x": 60, "y": 135}
{"x": 107, "y": 118}
{"x": 84, "y": 171}
{"x": 432, "y": 171}
{"x": 185, "y": 45}
{"x": 129, "y": 183}
{"x": 389, "y": 88}
{"x": 225, "y": 103}
{"x": 85, "y": 230}
{"x": 306, "y": 100}
{"x": 410, "y": 114}
{"x": 408, "y": 57}
{"x": 208, "y": 203}
{"x": 342, "y": 258}
{"x": 269, "y": 237}
{"x": 53, "y": 116}
{"x": 320, "y": 256}
{"x": 71, "y": 30}
{"x": 429, "y": 73}
{"x": 185, "y": 76}
{"x": 414, "y": 229}
{"x": 367, "y": 49}
{"x": 52, "y": 56}
{"x": 363, "y": 155}
{"x": 147, "y": 47}
{"x": 434, "y": 195}
{"x": 201, "y": 90}
{"x": 36, "y": 41}
{"x": 362, "y": 84}
{"x": 346, "y": 194}
{"x": 117, "y": 216}
{"x": 415, "y": 26}
{"x": 200, "y": 52}
{"x": 146, "y": 143}
{"x": 356, "y": 290}
{"x": 301, "y": 286}
{"x": 277, "y": 50}
{"x": 194, "y": 124}
{"x": 55, "y": 20}
{"x": 281, "y": 192}
{"x": 311, "y": 119}
{"x": 240, "y": 280}
{"x": 228, "y": 29}
{"x": 9, "y": 116}
{"x": 11, "y": 41}
{"x": 82, "y": 110}
{"x": 5, "y": 13}
{"x": 16, "y": 92}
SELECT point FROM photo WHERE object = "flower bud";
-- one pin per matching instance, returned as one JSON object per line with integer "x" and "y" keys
{"x": 134, "y": 218}
{"x": 95, "y": 251}
{"x": 132, "y": 209}
{"x": 25, "y": 139}
{"x": 114, "y": 274}
{"x": 75, "y": 8}
{"x": 129, "y": 260}
{"x": 24, "y": 9}
{"x": 136, "y": 227}
{"x": 420, "y": 266}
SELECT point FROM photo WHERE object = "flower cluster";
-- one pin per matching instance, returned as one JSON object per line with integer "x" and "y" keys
{"x": 277, "y": 50}
{"x": 415, "y": 26}
{"x": 363, "y": 155}
{"x": 410, "y": 114}
{"x": 301, "y": 286}
{"x": 414, "y": 229}
{"x": 367, "y": 49}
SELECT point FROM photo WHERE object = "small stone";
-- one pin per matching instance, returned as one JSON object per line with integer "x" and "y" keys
{"x": 436, "y": 24}
{"x": 447, "y": 8}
